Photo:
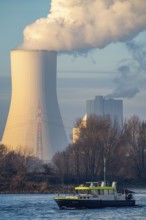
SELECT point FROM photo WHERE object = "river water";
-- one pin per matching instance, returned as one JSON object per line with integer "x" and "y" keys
{"x": 42, "y": 206}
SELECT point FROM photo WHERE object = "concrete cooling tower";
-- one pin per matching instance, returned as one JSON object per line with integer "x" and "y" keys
{"x": 34, "y": 121}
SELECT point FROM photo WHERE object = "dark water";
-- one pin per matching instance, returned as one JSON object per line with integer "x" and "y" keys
{"x": 24, "y": 207}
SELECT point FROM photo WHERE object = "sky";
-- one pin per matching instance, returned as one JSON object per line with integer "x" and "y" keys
{"x": 117, "y": 66}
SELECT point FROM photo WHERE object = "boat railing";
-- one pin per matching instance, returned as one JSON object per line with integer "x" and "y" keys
{"x": 99, "y": 183}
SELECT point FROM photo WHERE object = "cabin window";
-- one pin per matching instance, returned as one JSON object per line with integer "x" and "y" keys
{"x": 94, "y": 192}
{"x": 111, "y": 191}
{"x": 105, "y": 191}
{"x": 101, "y": 192}
{"x": 82, "y": 191}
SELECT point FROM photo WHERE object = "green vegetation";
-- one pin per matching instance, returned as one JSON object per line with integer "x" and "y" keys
{"x": 124, "y": 150}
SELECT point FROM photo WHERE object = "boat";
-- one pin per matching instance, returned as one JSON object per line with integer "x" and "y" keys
{"x": 93, "y": 195}
{"x": 98, "y": 194}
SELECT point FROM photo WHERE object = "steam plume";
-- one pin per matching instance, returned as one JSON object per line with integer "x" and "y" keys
{"x": 73, "y": 25}
{"x": 132, "y": 76}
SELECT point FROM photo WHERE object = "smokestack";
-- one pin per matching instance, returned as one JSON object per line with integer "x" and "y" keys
{"x": 34, "y": 121}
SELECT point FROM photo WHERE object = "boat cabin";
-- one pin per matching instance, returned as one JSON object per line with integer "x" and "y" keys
{"x": 96, "y": 188}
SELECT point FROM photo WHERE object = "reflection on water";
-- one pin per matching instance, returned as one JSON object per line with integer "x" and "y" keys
{"x": 42, "y": 206}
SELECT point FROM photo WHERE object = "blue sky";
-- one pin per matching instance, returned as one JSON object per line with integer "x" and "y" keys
{"x": 80, "y": 77}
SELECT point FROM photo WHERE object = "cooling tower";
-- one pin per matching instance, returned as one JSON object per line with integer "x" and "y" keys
{"x": 34, "y": 120}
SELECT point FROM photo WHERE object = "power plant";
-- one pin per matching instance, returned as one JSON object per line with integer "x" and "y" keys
{"x": 103, "y": 106}
{"x": 34, "y": 121}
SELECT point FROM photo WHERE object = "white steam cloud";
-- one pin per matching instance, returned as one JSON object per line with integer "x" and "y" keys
{"x": 75, "y": 25}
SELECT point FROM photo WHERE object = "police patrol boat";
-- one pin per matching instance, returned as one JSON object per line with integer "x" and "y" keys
{"x": 96, "y": 195}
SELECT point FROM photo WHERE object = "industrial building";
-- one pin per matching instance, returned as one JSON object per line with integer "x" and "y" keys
{"x": 34, "y": 121}
{"x": 103, "y": 106}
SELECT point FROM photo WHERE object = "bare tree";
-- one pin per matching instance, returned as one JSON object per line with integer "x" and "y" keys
{"x": 96, "y": 140}
{"x": 135, "y": 135}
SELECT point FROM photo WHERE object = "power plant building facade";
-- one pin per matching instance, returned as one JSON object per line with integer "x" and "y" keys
{"x": 34, "y": 120}
{"x": 102, "y": 106}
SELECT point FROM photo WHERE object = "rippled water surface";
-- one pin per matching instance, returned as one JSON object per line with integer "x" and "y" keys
{"x": 14, "y": 207}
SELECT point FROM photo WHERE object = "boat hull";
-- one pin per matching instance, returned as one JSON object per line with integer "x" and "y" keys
{"x": 92, "y": 204}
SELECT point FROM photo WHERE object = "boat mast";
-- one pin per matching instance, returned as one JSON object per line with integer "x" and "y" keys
{"x": 104, "y": 169}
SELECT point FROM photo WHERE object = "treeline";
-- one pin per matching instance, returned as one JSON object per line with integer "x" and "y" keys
{"x": 98, "y": 139}
{"x": 22, "y": 172}
{"x": 124, "y": 150}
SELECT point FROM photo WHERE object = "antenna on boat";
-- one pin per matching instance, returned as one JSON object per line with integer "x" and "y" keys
{"x": 104, "y": 169}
